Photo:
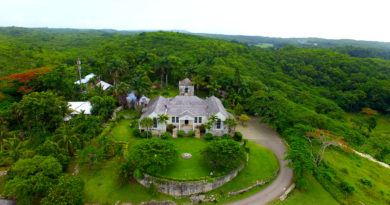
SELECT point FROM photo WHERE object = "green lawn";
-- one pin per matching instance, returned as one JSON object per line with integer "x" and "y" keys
{"x": 352, "y": 168}
{"x": 261, "y": 165}
{"x": 315, "y": 194}
{"x": 195, "y": 167}
{"x": 171, "y": 92}
{"x": 123, "y": 132}
{"x": 102, "y": 186}
{"x": 264, "y": 45}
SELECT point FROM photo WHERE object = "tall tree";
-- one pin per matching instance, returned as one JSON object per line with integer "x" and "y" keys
{"x": 231, "y": 123}
{"x": 147, "y": 123}
{"x": 162, "y": 118}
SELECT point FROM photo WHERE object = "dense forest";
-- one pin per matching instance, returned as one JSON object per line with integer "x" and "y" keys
{"x": 296, "y": 90}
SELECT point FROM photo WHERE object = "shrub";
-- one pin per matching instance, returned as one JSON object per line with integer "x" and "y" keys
{"x": 145, "y": 134}
{"x": 209, "y": 136}
{"x": 166, "y": 135}
{"x": 202, "y": 128}
{"x": 226, "y": 137}
{"x": 170, "y": 128}
{"x": 301, "y": 182}
{"x": 345, "y": 170}
{"x": 191, "y": 133}
{"x": 126, "y": 172}
{"x": 137, "y": 174}
{"x": 152, "y": 154}
{"x": 137, "y": 133}
{"x": 181, "y": 133}
{"x": 366, "y": 182}
{"x": 347, "y": 188}
{"x": 224, "y": 155}
{"x": 165, "y": 93}
{"x": 237, "y": 136}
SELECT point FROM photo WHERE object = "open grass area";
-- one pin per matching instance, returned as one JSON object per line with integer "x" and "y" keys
{"x": 315, "y": 194}
{"x": 264, "y": 45}
{"x": 102, "y": 183}
{"x": 123, "y": 132}
{"x": 262, "y": 164}
{"x": 352, "y": 169}
{"x": 170, "y": 92}
{"x": 195, "y": 167}
{"x": 378, "y": 139}
{"x": 102, "y": 186}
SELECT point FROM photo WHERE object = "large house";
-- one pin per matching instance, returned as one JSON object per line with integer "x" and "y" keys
{"x": 186, "y": 111}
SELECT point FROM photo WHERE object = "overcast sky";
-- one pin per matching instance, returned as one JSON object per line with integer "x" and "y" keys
{"x": 334, "y": 19}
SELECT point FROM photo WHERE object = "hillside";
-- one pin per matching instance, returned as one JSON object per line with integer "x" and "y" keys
{"x": 296, "y": 90}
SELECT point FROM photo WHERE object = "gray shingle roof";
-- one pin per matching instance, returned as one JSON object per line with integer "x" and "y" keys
{"x": 185, "y": 81}
{"x": 185, "y": 105}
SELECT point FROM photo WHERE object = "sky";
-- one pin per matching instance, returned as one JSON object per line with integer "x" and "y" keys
{"x": 332, "y": 19}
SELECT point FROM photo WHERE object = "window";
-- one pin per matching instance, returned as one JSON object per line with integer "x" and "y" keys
{"x": 186, "y": 90}
{"x": 155, "y": 122}
{"x": 177, "y": 119}
{"x": 173, "y": 119}
{"x": 219, "y": 124}
{"x": 199, "y": 119}
{"x": 196, "y": 119}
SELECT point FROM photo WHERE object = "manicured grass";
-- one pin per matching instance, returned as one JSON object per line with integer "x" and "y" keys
{"x": 262, "y": 164}
{"x": 123, "y": 132}
{"x": 315, "y": 194}
{"x": 195, "y": 167}
{"x": 352, "y": 168}
{"x": 129, "y": 112}
{"x": 102, "y": 186}
{"x": 171, "y": 92}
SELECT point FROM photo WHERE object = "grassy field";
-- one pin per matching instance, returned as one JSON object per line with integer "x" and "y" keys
{"x": 123, "y": 132}
{"x": 378, "y": 138}
{"x": 171, "y": 92}
{"x": 352, "y": 168}
{"x": 264, "y": 45}
{"x": 194, "y": 167}
{"x": 315, "y": 194}
{"x": 262, "y": 164}
{"x": 102, "y": 186}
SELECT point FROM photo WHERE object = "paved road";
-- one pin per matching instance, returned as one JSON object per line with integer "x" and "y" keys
{"x": 264, "y": 135}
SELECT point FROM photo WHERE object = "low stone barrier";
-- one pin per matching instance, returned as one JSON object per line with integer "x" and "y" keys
{"x": 258, "y": 183}
{"x": 177, "y": 188}
{"x": 284, "y": 196}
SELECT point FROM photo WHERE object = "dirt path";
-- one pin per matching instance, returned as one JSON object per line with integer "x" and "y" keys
{"x": 264, "y": 135}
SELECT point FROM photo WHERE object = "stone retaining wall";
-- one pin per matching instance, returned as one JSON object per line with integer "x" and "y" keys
{"x": 176, "y": 188}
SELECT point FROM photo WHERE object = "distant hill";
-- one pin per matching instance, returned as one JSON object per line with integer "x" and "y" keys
{"x": 355, "y": 48}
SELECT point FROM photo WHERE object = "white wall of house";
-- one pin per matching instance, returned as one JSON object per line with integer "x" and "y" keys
{"x": 190, "y": 90}
{"x": 161, "y": 127}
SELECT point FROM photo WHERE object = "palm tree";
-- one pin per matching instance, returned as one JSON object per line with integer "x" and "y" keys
{"x": 12, "y": 147}
{"x": 120, "y": 92}
{"x": 147, "y": 123}
{"x": 212, "y": 120}
{"x": 68, "y": 140}
{"x": 231, "y": 123}
{"x": 162, "y": 119}
{"x": 214, "y": 87}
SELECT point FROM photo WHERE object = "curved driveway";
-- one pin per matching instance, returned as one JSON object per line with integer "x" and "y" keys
{"x": 264, "y": 135}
